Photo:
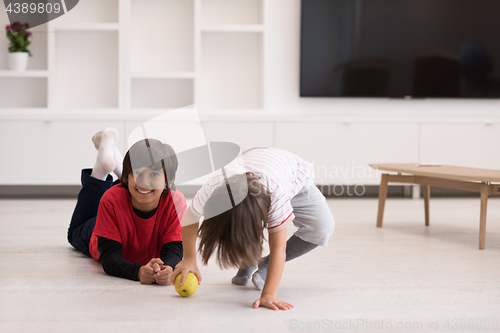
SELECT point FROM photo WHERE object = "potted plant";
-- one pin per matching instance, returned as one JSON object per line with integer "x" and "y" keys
{"x": 19, "y": 39}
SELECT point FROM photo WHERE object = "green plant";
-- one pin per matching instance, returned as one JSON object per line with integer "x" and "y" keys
{"x": 19, "y": 37}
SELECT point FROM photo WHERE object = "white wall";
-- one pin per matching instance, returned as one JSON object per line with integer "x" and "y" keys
{"x": 347, "y": 134}
{"x": 282, "y": 72}
{"x": 340, "y": 135}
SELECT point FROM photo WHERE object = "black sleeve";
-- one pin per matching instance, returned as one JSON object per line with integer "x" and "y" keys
{"x": 112, "y": 261}
{"x": 171, "y": 253}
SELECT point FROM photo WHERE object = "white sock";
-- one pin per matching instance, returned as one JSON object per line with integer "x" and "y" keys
{"x": 119, "y": 163}
{"x": 105, "y": 162}
{"x": 96, "y": 139}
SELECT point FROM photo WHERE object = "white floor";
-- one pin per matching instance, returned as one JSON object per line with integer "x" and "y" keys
{"x": 404, "y": 277}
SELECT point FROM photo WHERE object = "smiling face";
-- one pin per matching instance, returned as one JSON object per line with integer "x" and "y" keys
{"x": 146, "y": 186}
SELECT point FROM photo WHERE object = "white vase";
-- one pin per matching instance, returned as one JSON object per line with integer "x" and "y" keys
{"x": 18, "y": 61}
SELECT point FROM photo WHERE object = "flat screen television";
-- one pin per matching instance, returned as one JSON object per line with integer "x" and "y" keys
{"x": 400, "y": 48}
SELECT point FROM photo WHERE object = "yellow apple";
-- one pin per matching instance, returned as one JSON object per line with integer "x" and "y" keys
{"x": 189, "y": 287}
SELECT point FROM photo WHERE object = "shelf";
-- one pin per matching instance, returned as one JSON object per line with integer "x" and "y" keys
{"x": 162, "y": 36}
{"x": 26, "y": 74}
{"x": 23, "y": 92}
{"x": 233, "y": 28}
{"x": 87, "y": 27}
{"x": 231, "y": 74}
{"x": 162, "y": 75}
{"x": 231, "y": 12}
{"x": 86, "y": 69}
{"x": 162, "y": 93}
{"x": 92, "y": 11}
{"x": 38, "y": 46}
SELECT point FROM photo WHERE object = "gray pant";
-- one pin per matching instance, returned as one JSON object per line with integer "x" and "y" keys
{"x": 312, "y": 215}
{"x": 315, "y": 223}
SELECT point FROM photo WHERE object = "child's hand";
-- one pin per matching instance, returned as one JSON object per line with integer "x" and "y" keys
{"x": 272, "y": 303}
{"x": 147, "y": 272}
{"x": 184, "y": 267}
{"x": 162, "y": 276}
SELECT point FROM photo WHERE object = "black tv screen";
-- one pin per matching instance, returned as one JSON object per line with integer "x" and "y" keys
{"x": 400, "y": 48}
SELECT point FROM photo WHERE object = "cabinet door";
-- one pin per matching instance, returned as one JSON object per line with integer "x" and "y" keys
{"x": 246, "y": 135}
{"x": 468, "y": 145}
{"x": 341, "y": 152}
{"x": 47, "y": 153}
{"x": 187, "y": 135}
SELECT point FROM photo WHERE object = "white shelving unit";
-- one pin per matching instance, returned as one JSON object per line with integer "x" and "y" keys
{"x": 121, "y": 62}
{"x": 233, "y": 28}
{"x": 86, "y": 69}
{"x": 240, "y": 12}
{"x": 87, "y": 27}
{"x": 92, "y": 11}
{"x": 127, "y": 56}
{"x": 165, "y": 75}
{"x": 30, "y": 73}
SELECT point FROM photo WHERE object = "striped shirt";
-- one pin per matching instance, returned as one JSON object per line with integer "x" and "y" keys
{"x": 281, "y": 173}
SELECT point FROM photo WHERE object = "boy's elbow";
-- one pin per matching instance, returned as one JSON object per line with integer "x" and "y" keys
{"x": 107, "y": 266}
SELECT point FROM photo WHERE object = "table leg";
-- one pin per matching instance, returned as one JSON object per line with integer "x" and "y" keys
{"x": 427, "y": 196}
{"x": 482, "y": 219}
{"x": 382, "y": 195}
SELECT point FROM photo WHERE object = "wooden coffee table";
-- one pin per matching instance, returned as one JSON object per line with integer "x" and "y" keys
{"x": 454, "y": 177}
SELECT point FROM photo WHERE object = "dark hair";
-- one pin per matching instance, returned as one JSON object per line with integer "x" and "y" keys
{"x": 154, "y": 154}
{"x": 238, "y": 233}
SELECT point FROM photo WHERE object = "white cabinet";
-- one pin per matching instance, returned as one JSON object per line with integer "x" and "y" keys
{"x": 47, "y": 153}
{"x": 245, "y": 134}
{"x": 189, "y": 134}
{"x": 40, "y": 152}
{"x": 341, "y": 152}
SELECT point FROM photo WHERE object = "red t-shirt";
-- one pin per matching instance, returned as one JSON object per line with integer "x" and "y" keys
{"x": 141, "y": 239}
